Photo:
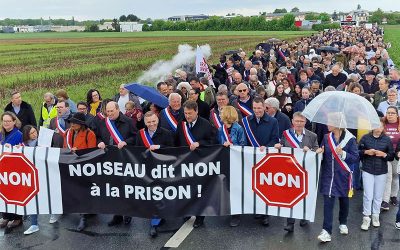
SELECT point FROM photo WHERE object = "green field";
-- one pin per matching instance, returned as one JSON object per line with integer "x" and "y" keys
{"x": 35, "y": 63}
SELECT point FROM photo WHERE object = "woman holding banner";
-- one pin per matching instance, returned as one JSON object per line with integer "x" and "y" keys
{"x": 231, "y": 133}
{"x": 340, "y": 154}
{"x": 10, "y": 136}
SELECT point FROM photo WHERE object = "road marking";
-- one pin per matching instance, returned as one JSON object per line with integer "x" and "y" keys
{"x": 181, "y": 234}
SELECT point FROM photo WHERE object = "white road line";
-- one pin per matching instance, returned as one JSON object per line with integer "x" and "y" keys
{"x": 181, "y": 234}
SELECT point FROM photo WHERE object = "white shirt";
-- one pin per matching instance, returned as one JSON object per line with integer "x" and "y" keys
{"x": 122, "y": 101}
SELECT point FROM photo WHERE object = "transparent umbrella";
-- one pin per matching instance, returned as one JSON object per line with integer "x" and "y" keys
{"x": 343, "y": 110}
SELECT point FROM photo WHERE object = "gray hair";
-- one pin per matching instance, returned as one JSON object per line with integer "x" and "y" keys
{"x": 299, "y": 114}
{"x": 392, "y": 91}
{"x": 172, "y": 95}
{"x": 273, "y": 102}
{"x": 329, "y": 88}
{"x": 48, "y": 94}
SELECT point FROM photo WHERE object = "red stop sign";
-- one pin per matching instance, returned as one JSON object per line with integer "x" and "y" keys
{"x": 280, "y": 180}
{"x": 349, "y": 18}
{"x": 19, "y": 181}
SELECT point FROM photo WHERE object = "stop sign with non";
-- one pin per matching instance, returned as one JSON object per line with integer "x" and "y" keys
{"x": 18, "y": 179}
{"x": 280, "y": 180}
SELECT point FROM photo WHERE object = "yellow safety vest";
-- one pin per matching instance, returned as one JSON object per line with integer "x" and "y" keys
{"x": 47, "y": 116}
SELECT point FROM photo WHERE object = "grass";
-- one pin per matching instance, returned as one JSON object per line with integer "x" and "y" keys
{"x": 392, "y": 35}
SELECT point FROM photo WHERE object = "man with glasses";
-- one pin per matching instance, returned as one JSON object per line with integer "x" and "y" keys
{"x": 222, "y": 101}
{"x": 82, "y": 107}
{"x": 245, "y": 102}
{"x": 391, "y": 101}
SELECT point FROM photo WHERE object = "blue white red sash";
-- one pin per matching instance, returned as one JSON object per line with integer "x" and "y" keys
{"x": 249, "y": 133}
{"x": 146, "y": 138}
{"x": 113, "y": 130}
{"x": 188, "y": 135}
{"x": 246, "y": 75}
{"x": 333, "y": 145}
{"x": 291, "y": 138}
{"x": 226, "y": 135}
{"x": 68, "y": 139}
{"x": 60, "y": 128}
{"x": 170, "y": 118}
{"x": 246, "y": 111}
{"x": 281, "y": 54}
{"x": 216, "y": 119}
{"x": 101, "y": 116}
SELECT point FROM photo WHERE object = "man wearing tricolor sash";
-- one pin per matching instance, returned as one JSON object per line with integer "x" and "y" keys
{"x": 60, "y": 124}
{"x": 340, "y": 154}
{"x": 298, "y": 137}
{"x": 215, "y": 113}
{"x": 245, "y": 102}
{"x": 117, "y": 130}
{"x": 262, "y": 131}
{"x": 173, "y": 114}
{"x": 194, "y": 132}
{"x": 154, "y": 137}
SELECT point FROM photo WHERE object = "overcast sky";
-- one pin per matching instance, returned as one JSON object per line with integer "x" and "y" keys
{"x": 97, "y": 9}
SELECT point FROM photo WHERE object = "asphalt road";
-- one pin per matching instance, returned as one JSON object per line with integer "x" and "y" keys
{"x": 215, "y": 234}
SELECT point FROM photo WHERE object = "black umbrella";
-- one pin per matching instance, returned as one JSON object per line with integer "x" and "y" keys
{"x": 231, "y": 52}
{"x": 263, "y": 46}
{"x": 273, "y": 40}
{"x": 329, "y": 49}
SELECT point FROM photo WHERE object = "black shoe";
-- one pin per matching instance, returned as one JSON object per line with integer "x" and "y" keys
{"x": 186, "y": 218}
{"x": 82, "y": 225}
{"x": 289, "y": 227}
{"x": 153, "y": 232}
{"x": 127, "y": 220}
{"x": 384, "y": 206}
{"x": 303, "y": 223}
{"x": 198, "y": 222}
{"x": 116, "y": 220}
{"x": 235, "y": 221}
{"x": 265, "y": 220}
{"x": 393, "y": 201}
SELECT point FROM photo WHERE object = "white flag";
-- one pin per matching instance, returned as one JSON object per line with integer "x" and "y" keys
{"x": 202, "y": 67}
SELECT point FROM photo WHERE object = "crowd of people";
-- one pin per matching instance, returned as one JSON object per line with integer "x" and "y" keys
{"x": 254, "y": 100}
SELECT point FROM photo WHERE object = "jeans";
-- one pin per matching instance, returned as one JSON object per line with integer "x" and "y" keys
{"x": 374, "y": 186}
{"x": 357, "y": 176}
{"x": 329, "y": 203}
{"x": 34, "y": 218}
{"x": 398, "y": 211}
{"x": 392, "y": 182}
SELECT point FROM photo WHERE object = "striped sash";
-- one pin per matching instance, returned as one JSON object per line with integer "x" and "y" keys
{"x": 69, "y": 139}
{"x": 249, "y": 133}
{"x": 291, "y": 138}
{"x": 226, "y": 135}
{"x": 101, "y": 116}
{"x": 146, "y": 138}
{"x": 60, "y": 128}
{"x": 216, "y": 119}
{"x": 188, "y": 135}
{"x": 113, "y": 130}
{"x": 170, "y": 118}
{"x": 246, "y": 111}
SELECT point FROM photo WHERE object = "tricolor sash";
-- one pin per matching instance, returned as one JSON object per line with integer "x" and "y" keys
{"x": 188, "y": 135}
{"x": 333, "y": 145}
{"x": 216, "y": 119}
{"x": 246, "y": 111}
{"x": 226, "y": 135}
{"x": 68, "y": 139}
{"x": 60, "y": 128}
{"x": 246, "y": 75}
{"x": 281, "y": 54}
{"x": 291, "y": 138}
{"x": 146, "y": 138}
{"x": 249, "y": 133}
{"x": 170, "y": 118}
{"x": 113, "y": 130}
{"x": 101, "y": 116}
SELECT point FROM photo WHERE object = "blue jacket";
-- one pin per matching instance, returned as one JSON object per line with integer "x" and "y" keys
{"x": 334, "y": 180}
{"x": 301, "y": 105}
{"x": 266, "y": 132}
{"x": 283, "y": 122}
{"x": 14, "y": 138}
{"x": 237, "y": 135}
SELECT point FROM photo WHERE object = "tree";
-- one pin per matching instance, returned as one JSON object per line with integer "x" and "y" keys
{"x": 122, "y": 18}
{"x": 377, "y": 16}
{"x": 92, "y": 27}
{"x": 262, "y": 13}
{"x": 335, "y": 16}
{"x": 358, "y": 7}
{"x": 280, "y": 11}
{"x": 132, "y": 18}
{"x": 115, "y": 25}
{"x": 324, "y": 17}
{"x": 294, "y": 10}
{"x": 311, "y": 16}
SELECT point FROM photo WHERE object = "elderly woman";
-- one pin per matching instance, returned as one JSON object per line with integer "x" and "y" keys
{"x": 376, "y": 150}
{"x": 340, "y": 153}
{"x": 184, "y": 87}
{"x": 231, "y": 133}
{"x": 10, "y": 136}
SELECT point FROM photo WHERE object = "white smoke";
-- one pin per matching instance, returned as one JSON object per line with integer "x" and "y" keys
{"x": 159, "y": 70}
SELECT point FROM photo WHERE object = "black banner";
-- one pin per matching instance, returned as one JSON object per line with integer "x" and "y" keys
{"x": 137, "y": 182}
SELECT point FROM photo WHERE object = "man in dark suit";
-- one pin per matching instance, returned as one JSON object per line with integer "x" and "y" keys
{"x": 21, "y": 109}
{"x": 105, "y": 136}
{"x": 201, "y": 133}
{"x": 298, "y": 137}
{"x": 159, "y": 137}
{"x": 60, "y": 124}
{"x": 171, "y": 116}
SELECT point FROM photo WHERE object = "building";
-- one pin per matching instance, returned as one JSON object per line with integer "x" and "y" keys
{"x": 106, "y": 26}
{"x": 359, "y": 15}
{"x": 7, "y": 29}
{"x": 130, "y": 26}
{"x": 188, "y": 18}
{"x": 299, "y": 16}
{"x": 36, "y": 28}
{"x": 61, "y": 28}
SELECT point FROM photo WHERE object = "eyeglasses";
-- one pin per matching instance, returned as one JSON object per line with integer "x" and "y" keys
{"x": 7, "y": 121}
{"x": 242, "y": 90}
{"x": 391, "y": 113}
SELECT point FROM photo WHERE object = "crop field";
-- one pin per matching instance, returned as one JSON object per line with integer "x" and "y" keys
{"x": 35, "y": 63}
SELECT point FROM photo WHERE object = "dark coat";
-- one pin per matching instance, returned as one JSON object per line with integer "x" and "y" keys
{"x": 335, "y": 81}
{"x": 203, "y": 108}
{"x": 162, "y": 137}
{"x": 58, "y": 138}
{"x": 301, "y": 105}
{"x": 373, "y": 164}
{"x": 202, "y": 131}
{"x": 179, "y": 116}
{"x": 283, "y": 122}
{"x": 25, "y": 115}
{"x": 124, "y": 125}
{"x": 266, "y": 132}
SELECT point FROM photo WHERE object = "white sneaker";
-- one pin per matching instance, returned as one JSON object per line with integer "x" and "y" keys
{"x": 53, "y": 218}
{"x": 32, "y": 229}
{"x": 375, "y": 220}
{"x": 343, "y": 229}
{"x": 366, "y": 223}
{"x": 397, "y": 225}
{"x": 324, "y": 236}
